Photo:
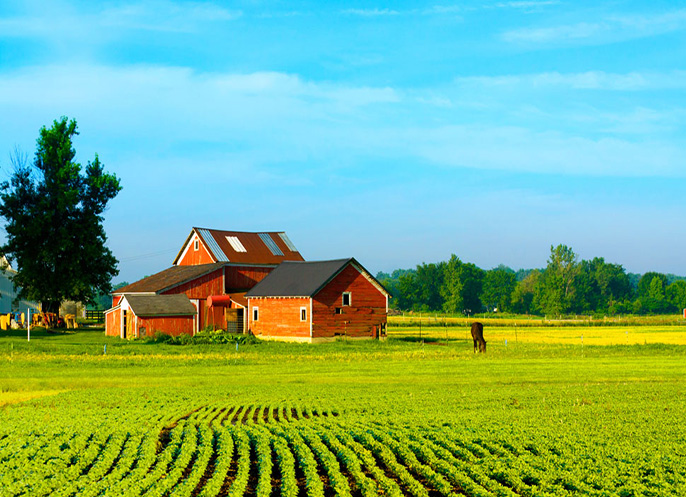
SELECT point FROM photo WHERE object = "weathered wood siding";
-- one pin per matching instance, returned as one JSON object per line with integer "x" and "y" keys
{"x": 170, "y": 325}
{"x": 115, "y": 300}
{"x": 362, "y": 318}
{"x": 194, "y": 257}
{"x": 201, "y": 288}
{"x": 244, "y": 278}
{"x": 113, "y": 323}
{"x": 279, "y": 317}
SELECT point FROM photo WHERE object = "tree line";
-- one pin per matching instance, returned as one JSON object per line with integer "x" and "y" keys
{"x": 565, "y": 286}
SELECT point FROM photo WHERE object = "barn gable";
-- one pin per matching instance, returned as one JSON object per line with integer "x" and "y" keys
{"x": 210, "y": 246}
{"x": 306, "y": 279}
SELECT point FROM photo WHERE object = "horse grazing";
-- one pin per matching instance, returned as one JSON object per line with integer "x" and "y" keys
{"x": 478, "y": 336}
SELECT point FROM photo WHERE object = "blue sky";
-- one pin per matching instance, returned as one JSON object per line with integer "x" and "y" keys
{"x": 397, "y": 133}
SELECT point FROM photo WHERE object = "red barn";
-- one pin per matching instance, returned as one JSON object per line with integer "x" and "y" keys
{"x": 258, "y": 282}
{"x": 318, "y": 301}
{"x": 211, "y": 263}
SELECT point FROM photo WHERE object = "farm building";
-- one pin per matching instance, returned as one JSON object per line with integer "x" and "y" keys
{"x": 8, "y": 293}
{"x": 251, "y": 282}
{"x": 214, "y": 269}
{"x": 318, "y": 301}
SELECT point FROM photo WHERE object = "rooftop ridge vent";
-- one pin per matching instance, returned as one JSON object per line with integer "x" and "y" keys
{"x": 270, "y": 243}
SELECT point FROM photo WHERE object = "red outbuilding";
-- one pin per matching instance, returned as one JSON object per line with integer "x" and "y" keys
{"x": 318, "y": 301}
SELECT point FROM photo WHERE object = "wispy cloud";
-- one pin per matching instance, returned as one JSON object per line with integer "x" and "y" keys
{"x": 371, "y": 12}
{"x": 589, "y": 80}
{"x": 276, "y": 117}
{"x": 160, "y": 15}
{"x": 527, "y": 4}
{"x": 608, "y": 29}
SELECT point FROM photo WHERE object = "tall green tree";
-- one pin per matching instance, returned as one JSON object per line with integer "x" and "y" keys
{"x": 558, "y": 291}
{"x": 499, "y": 283}
{"x": 523, "y": 299}
{"x": 54, "y": 222}
{"x": 676, "y": 295}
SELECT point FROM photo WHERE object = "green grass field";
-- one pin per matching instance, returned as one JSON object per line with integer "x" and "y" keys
{"x": 401, "y": 417}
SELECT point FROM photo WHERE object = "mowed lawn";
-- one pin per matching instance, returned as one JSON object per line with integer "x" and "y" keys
{"x": 595, "y": 418}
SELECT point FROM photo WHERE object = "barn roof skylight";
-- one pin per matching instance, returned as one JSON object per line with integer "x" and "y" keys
{"x": 235, "y": 244}
{"x": 271, "y": 244}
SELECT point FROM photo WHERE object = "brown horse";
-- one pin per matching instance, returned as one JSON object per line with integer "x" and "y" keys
{"x": 478, "y": 336}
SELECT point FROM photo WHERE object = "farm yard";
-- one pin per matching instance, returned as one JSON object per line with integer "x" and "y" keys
{"x": 85, "y": 414}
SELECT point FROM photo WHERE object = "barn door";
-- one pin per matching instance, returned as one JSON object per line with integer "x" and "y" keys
{"x": 129, "y": 325}
{"x": 196, "y": 318}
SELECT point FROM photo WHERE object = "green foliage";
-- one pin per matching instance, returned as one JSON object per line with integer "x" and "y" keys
{"x": 499, "y": 285}
{"x": 204, "y": 337}
{"x": 566, "y": 286}
{"x": 54, "y": 214}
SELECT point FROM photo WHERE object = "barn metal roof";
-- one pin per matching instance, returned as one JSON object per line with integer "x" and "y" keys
{"x": 304, "y": 279}
{"x": 271, "y": 247}
{"x": 161, "y": 305}
{"x": 169, "y": 278}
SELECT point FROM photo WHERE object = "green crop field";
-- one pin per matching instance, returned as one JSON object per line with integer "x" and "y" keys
{"x": 87, "y": 415}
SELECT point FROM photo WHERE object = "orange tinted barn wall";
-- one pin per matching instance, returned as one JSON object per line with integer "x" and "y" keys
{"x": 280, "y": 317}
{"x": 244, "y": 278}
{"x": 113, "y": 323}
{"x": 362, "y": 318}
{"x": 194, "y": 257}
{"x": 201, "y": 288}
{"x": 115, "y": 300}
{"x": 174, "y": 325}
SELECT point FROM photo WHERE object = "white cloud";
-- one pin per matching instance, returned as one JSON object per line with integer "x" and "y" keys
{"x": 371, "y": 12}
{"x": 607, "y": 30}
{"x": 58, "y": 21}
{"x": 268, "y": 118}
{"x": 589, "y": 80}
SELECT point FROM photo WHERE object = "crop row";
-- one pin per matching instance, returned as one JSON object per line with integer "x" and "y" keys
{"x": 203, "y": 453}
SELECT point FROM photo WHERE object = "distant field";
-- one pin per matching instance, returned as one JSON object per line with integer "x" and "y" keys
{"x": 85, "y": 414}
{"x": 502, "y": 336}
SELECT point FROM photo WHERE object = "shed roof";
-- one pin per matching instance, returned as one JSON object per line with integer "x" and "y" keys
{"x": 269, "y": 247}
{"x": 304, "y": 279}
{"x": 161, "y": 305}
{"x": 169, "y": 278}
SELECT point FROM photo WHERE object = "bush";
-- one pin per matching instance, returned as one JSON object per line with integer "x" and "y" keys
{"x": 204, "y": 337}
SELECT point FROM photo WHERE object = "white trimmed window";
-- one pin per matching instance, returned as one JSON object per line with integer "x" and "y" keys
{"x": 303, "y": 314}
{"x": 255, "y": 313}
{"x": 196, "y": 245}
{"x": 347, "y": 298}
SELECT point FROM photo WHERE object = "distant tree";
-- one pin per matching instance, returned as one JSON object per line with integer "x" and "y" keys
{"x": 391, "y": 282}
{"x": 54, "y": 216}
{"x": 600, "y": 286}
{"x": 451, "y": 291}
{"x": 647, "y": 280}
{"x": 523, "y": 296}
{"x": 498, "y": 287}
{"x": 676, "y": 295}
{"x": 558, "y": 286}
{"x": 462, "y": 286}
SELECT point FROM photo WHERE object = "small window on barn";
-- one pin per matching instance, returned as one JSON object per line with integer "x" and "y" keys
{"x": 339, "y": 310}
{"x": 303, "y": 314}
{"x": 346, "y": 298}
{"x": 255, "y": 313}
{"x": 196, "y": 244}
